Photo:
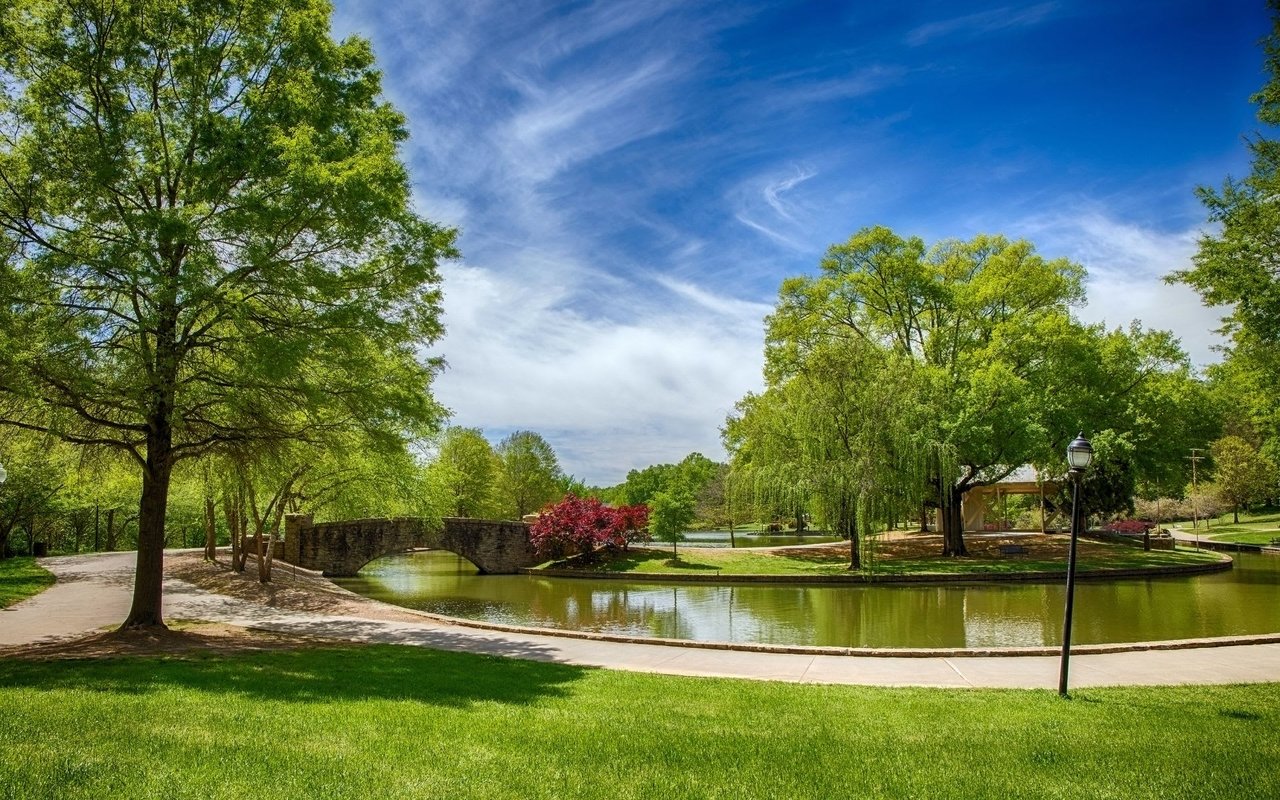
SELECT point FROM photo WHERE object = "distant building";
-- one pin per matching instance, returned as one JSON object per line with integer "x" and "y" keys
{"x": 1023, "y": 480}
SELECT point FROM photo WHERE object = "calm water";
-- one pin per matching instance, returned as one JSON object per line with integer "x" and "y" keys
{"x": 1245, "y": 600}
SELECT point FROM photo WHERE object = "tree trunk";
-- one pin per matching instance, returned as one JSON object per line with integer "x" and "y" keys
{"x": 97, "y": 517}
{"x": 149, "y": 578}
{"x": 951, "y": 519}
{"x": 233, "y": 512}
{"x": 924, "y": 517}
{"x": 1236, "y": 514}
{"x": 848, "y": 524}
{"x": 210, "y": 530}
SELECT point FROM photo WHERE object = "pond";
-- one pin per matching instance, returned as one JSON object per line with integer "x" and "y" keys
{"x": 1244, "y": 600}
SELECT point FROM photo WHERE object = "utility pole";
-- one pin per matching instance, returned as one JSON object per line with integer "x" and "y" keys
{"x": 1195, "y": 458}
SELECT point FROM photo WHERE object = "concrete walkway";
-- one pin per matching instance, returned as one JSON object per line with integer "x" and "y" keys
{"x": 94, "y": 591}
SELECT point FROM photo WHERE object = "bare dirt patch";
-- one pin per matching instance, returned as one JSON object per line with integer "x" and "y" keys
{"x": 290, "y": 589}
{"x": 981, "y": 547}
{"x": 181, "y": 639}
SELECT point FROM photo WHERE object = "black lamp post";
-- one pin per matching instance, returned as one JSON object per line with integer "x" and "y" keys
{"x": 1079, "y": 454}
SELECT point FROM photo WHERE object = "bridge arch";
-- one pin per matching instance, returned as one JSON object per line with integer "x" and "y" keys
{"x": 342, "y": 548}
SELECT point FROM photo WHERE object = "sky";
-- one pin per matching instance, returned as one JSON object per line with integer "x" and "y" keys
{"x": 632, "y": 181}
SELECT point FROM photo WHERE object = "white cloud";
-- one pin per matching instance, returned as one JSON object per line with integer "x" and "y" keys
{"x": 610, "y": 396}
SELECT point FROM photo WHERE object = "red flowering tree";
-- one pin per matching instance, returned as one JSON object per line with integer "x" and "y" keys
{"x": 582, "y": 524}
{"x": 635, "y": 523}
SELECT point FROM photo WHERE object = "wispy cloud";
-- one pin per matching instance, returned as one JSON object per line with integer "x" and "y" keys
{"x": 773, "y": 192}
{"x": 981, "y": 23}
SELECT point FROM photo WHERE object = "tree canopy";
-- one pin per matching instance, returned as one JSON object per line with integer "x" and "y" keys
{"x": 911, "y": 374}
{"x": 208, "y": 239}
{"x": 467, "y": 466}
{"x": 529, "y": 474}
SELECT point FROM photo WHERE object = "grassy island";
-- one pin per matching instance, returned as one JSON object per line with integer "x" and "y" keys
{"x": 902, "y": 555}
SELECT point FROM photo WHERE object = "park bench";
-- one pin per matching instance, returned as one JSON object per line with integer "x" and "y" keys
{"x": 1275, "y": 542}
{"x": 1012, "y": 550}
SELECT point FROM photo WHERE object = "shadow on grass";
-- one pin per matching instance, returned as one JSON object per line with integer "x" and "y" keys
{"x": 375, "y": 672}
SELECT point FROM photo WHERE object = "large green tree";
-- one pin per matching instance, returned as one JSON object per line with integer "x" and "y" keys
{"x": 1241, "y": 474}
{"x": 978, "y": 322}
{"x": 964, "y": 354}
{"x": 467, "y": 467}
{"x": 208, "y": 238}
{"x": 528, "y": 474}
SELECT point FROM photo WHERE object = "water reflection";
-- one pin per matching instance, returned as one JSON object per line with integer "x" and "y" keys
{"x": 1245, "y": 600}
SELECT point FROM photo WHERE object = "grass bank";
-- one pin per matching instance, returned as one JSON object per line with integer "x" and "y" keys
{"x": 21, "y": 578}
{"x": 391, "y": 722}
{"x": 903, "y": 557}
{"x": 1259, "y": 528}
{"x": 1231, "y": 533}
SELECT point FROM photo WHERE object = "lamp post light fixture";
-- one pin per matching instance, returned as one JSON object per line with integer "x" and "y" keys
{"x": 1079, "y": 455}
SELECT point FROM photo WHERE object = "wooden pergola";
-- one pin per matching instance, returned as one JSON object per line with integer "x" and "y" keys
{"x": 1024, "y": 480}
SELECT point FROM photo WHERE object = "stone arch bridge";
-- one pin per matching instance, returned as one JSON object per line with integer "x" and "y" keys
{"x": 342, "y": 548}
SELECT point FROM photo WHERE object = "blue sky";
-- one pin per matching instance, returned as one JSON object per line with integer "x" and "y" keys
{"x": 633, "y": 180}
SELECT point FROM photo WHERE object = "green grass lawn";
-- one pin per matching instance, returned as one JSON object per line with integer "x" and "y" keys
{"x": 1239, "y": 533}
{"x": 21, "y": 578}
{"x": 390, "y": 722}
{"x": 1255, "y": 528}
{"x": 727, "y": 561}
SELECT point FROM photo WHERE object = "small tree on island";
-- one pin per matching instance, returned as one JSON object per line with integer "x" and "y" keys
{"x": 583, "y": 524}
{"x": 669, "y": 516}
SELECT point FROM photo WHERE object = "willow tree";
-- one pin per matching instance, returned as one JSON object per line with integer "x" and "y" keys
{"x": 833, "y": 432}
{"x": 208, "y": 238}
{"x": 974, "y": 321}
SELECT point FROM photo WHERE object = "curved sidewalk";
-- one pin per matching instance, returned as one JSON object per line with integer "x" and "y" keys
{"x": 94, "y": 591}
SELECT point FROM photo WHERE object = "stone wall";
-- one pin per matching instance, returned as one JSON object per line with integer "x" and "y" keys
{"x": 342, "y": 548}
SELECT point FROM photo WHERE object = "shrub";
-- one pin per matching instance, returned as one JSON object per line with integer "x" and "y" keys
{"x": 1130, "y": 527}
